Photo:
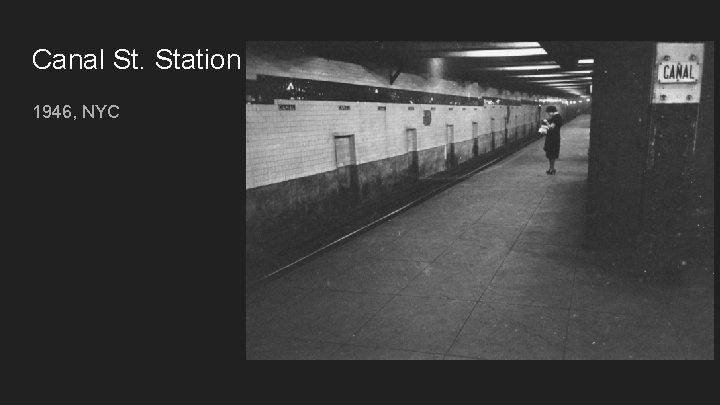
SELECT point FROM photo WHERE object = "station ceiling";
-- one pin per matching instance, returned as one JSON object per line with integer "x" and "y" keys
{"x": 555, "y": 68}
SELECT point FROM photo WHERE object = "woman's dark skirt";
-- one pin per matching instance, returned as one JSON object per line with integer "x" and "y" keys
{"x": 552, "y": 145}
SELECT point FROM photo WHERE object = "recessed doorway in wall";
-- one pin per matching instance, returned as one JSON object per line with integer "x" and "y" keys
{"x": 344, "y": 150}
{"x": 346, "y": 161}
{"x": 492, "y": 133}
{"x": 411, "y": 142}
{"x": 449, "y": 146}
{"x": 475, "y": 136}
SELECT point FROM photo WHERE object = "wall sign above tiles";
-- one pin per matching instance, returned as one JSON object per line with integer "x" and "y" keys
{"x": 427, "y": 117}
{"x": 266, "y": 89}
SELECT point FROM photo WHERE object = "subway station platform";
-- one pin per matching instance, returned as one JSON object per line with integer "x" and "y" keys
{"x": 491, "y": 268}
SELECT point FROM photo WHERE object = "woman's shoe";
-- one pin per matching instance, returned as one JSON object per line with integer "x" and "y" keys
{"x": 553, "y": 171}
{"x": 549, "y": 172}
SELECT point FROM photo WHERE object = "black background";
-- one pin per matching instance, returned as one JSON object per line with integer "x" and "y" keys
{"x": 130, "y": 224}
{"x": 129, "y": 232}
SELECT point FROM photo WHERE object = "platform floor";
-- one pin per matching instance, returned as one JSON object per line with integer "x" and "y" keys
{"x": 491, "y": 268}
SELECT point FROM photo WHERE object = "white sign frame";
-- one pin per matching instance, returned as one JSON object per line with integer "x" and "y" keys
{"x": 677, "y": 92}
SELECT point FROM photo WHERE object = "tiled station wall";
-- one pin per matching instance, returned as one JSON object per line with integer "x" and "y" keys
{"x": 291, "y": 166}
{"x": 282, "y": 145}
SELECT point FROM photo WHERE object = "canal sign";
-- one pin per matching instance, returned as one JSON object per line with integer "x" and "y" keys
{"x": 678, "y": 73}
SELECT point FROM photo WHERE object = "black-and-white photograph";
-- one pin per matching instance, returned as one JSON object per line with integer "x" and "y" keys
{"x": 469, "y": 200}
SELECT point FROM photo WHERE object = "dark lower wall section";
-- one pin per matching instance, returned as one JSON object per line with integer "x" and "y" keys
{"x": 463, "y": 151}
{"x": 431, "y": 161}
{"x": 376, "y": 179}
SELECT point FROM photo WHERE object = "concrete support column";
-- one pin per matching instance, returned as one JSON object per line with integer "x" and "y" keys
{"x": 648, "y": 179}
{"x": 673, "y": 229}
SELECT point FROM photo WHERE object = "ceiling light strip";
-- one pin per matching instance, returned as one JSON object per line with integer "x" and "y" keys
{"x": 496, "y": 53}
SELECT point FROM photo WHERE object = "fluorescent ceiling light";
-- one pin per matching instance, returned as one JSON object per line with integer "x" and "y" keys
{"x": 512, "y": 44}
{"x": 531, "y": 67}
{"x": 586, "y": 61}
{"x": 568, "y": 73}
{"x": 569, "y": 79}
{"x": 497, "y": 53}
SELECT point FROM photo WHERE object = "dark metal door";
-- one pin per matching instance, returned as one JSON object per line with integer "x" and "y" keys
{"x": 475, "y": 136}
{"x": 450, "y": 146}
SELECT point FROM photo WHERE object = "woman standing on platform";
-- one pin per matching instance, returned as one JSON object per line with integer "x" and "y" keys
{"x": 552, "y": 137}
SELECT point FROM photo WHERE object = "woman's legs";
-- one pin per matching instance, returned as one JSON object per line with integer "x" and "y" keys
{"x": 551, "y": 170}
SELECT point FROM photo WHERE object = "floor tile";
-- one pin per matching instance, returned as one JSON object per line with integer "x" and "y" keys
{"x": 601, "y": 336}
{"x": 694, "y": 311}
{"x": 451, "y": 280}
{"x": 436, "y": 230}
{"x": 550, "y": 288}
{"x": 485, "y": 231}
{"x": 352, "y": 352}
{"x": 376, "y": 275}
{"x": 557, "y": 219}
{"x": 544, "y": 251}
{"x": 270, "y": 299}
{"x": 332, "y": 316}
{"x": 415, "y": 323}
{"x": 448, "y": 357}
{"x": 486, "y": 252}
{"x": 540, "y": 261}
{"x": 512, "y": 332}
{"x": 567, "y": 235}
{"x": 621, "y": 293}
{"x": 418, "y": 249}
{"x": 319, "y": 272}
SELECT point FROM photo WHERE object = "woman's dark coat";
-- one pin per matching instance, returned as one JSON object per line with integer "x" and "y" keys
{"x": 552, "y": 138}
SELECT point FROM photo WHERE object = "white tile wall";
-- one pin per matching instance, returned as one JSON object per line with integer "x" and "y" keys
{"x": 285, "y": 145}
